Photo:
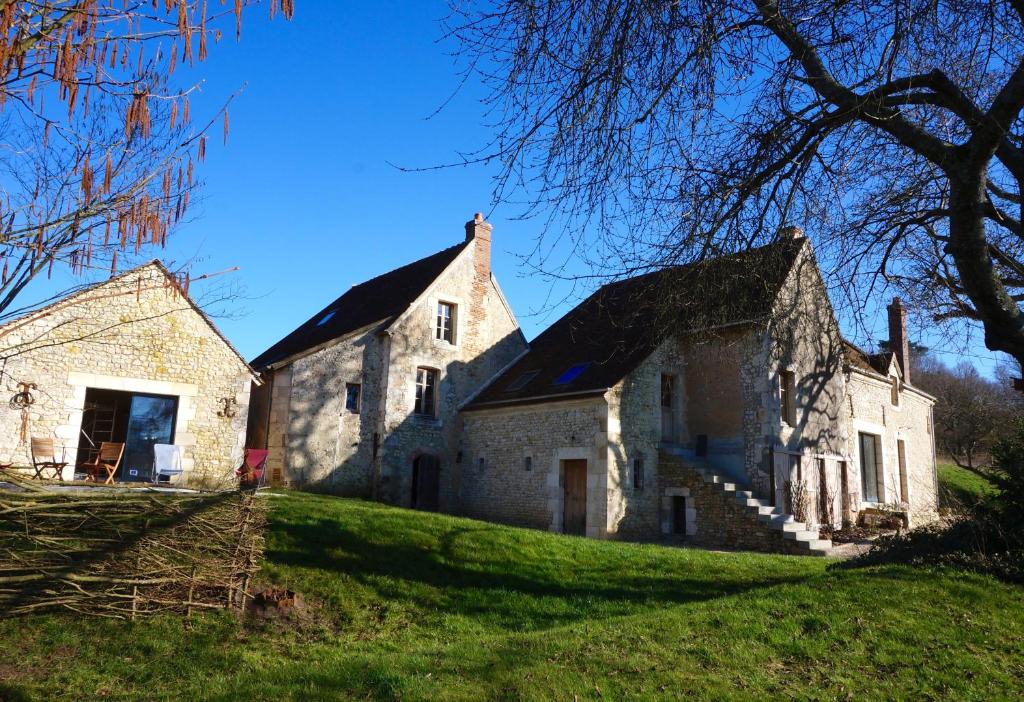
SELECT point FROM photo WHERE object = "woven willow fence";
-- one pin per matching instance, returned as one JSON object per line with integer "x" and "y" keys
{"x": 127, "y": 553}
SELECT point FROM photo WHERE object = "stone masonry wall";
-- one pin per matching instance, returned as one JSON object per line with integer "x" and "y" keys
{"x": 718, "y": 522}
{"x": 318, "y": 444}
{"x": 634, "y": 432}
{"x": 506, "y": 487}
{"x": 136, "y": 334}
{"x": 481, "y": 349}
{"x": 871, "y": 410}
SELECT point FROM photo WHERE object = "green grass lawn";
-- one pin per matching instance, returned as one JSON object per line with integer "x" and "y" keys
{"x": 959, "y": 485}
{"x": 420, "y": 606}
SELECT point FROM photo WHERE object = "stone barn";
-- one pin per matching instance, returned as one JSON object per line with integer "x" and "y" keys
{"x": 132, "y": 360}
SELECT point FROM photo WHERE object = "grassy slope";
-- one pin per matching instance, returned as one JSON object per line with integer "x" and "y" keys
{"x": 961, "y": 485}
{"x": 422, "y": 606}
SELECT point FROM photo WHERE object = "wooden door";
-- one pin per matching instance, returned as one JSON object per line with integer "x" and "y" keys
{"x": 574, "y": 517}
{"x": 426, "y": 483}
{"x": 668, "y": 407}
{"x": 901, "y": 454}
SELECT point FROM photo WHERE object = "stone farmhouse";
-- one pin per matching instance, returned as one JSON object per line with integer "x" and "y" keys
{"x": 131, "y": 360}
{"x": 717, "y": 403}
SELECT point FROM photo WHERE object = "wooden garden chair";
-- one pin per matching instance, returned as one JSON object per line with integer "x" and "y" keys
{"x": 108, "y": 459}
{"x": 44, "y": 458}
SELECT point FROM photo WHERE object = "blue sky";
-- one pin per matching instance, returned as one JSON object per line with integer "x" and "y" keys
{"x": 303, "y": 199}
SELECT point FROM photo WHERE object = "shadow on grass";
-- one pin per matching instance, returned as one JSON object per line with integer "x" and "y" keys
{"x": 480, "y": 572}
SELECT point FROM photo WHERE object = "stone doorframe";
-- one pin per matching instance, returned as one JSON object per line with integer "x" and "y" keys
{"x": 597, "y": 489}
{"x": 666, "y": 511}
{"x": 186, "y": 393}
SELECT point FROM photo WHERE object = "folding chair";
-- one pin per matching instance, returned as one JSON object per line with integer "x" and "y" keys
{"x": 108, "y": 459}
{"x": 253, "y": 471}
{"x": 44, "y": 458}
{"x": 166, "y": 461}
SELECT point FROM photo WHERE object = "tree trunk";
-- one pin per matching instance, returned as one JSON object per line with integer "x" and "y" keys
{"x": 1000, "y": 316}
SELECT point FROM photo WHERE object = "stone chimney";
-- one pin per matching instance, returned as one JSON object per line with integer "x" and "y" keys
{"x": 479, "y": 232}
{"x": 898, "y": 342}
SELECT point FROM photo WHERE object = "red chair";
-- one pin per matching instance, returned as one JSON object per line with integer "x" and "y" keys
{"x": 253, "y": 471}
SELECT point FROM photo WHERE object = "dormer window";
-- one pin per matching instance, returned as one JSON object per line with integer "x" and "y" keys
{"x": 894, "y": 391}
{"x": 444, "y": 330}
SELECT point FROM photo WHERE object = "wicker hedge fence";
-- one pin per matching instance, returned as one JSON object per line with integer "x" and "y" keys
{"x": 128, "y": 553}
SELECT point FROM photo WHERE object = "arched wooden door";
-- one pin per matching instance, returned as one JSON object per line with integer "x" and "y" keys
{"x": 426, "y": 482}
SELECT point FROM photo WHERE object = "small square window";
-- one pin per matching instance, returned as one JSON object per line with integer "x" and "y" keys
{"x": 444, "y": 330}
{"x": 638, "y": 473}
{"x": 426, "y": 392}
{"x": 352, "y": 397}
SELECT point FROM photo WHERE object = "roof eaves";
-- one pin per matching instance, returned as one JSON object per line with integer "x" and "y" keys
{"x": 536, "y": 399}
{"x": 380, "y": 324}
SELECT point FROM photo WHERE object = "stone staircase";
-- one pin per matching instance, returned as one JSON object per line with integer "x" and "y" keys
{"x": 797, "y": 537}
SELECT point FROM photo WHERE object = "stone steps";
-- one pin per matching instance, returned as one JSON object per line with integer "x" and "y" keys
{"x": 772, "y": 517}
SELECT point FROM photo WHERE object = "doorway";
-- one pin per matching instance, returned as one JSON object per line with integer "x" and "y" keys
{"x": 136, "y": 420}
{"x": 426, "y": 483}
{"x": 668, "y": 407}
{"x": 574, "y": 511}
{"x": 678, "y": 515}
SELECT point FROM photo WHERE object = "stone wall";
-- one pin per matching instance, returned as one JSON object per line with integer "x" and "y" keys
{"x": 634, "y": 432}
{"x": 134, "y": 333}
{"x": 512, "y": 462}
{"x": 316, "y": 443}
{"x": 480, "y": 350}
{"x": 716, "y": 520}
{"x": 871, "y": 411}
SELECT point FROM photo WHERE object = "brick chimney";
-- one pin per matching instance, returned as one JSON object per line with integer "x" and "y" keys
{"x": 479, "y": 232}
{"x": 791, "y": 232}
{"x": 898, "y": 342}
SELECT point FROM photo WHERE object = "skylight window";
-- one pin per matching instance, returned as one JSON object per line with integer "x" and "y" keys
{"x": 522, "y": 381}
{"x": 571, "y": 373}
{"x": 326, "y": 318}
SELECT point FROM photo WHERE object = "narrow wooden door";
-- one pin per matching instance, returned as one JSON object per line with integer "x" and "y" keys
{"x": 574, "y": 517}
{"x": 426, "y": 483}
{"x": 668, "y": 407}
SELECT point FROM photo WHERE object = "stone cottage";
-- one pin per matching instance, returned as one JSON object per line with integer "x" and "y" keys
{"x": 716, "y": 403}
{"x": 131, "y": 360}
{"x": 363, "y": 398}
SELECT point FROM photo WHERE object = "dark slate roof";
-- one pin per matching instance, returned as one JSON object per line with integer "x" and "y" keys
{"x": 379, "y": 299}
{"x": 618, "y": 326}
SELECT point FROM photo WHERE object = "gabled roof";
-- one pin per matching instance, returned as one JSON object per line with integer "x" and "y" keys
{"x": 379, "y": 299}
{"x": 155, "y": 263}
{"x": 879, "y": 363}
{"x": 596, "y": 344}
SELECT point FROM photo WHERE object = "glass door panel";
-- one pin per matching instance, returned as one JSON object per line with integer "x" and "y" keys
{"x": 150, "y": 421}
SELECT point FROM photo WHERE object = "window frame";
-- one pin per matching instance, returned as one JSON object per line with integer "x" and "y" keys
{"x": 638, "y": 477}
{"x": 446, "y": 334}
{"x": 420, "y": 394}
{"x": 787, "y": 397}
{"x": 878, "y": 476}
{"x": 359, "y": 397}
